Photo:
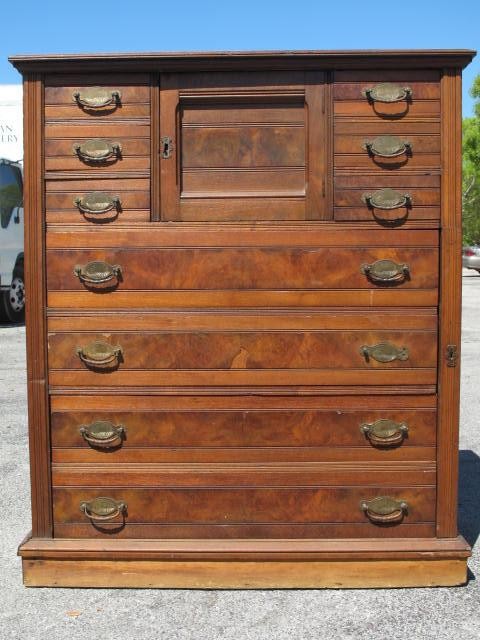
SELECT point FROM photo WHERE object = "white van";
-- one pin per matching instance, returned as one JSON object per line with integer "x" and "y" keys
{"x": 12, "y": 289}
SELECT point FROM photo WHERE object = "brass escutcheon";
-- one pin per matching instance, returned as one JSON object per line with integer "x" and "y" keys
{"x": 387, "y": 199}
{"x": 388, "y": 147}
{"x": 97, "y": 272}
{"x": 103, "y": 433}
{"x": 384, "y": 510}
{"x": 384, "y": 352}
{"x": 387, "y": 92}
{"x": 386, "y": 271}
{"x": 97, "y": 203}
{"x": 97, "y": 150}
{"x": 97, "y": 98}
{"x": 384, "y": 432}
{"x": 103, "y": 509}
{"x": 100, "y": 354}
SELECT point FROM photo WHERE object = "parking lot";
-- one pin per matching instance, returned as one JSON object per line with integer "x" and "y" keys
{"x": 31, "y": 614}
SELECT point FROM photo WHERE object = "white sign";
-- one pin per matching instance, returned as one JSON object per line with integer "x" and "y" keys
{"x": 11, "y": 122}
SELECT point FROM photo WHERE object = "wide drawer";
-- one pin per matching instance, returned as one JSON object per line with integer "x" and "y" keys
{"x": 390, "y": 349}
{"x": 152, "y": 429}
{"x": 204, "y": 266}
{"x": 233, "y": 511}
{"x": 246, "y": 268}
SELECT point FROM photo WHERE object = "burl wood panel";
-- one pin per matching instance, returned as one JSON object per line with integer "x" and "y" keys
{"x": 248, "y": 268}
{"x": 245, "y": 505}
{"x": 332, "y": 349}
{"x": 164, "y": 435}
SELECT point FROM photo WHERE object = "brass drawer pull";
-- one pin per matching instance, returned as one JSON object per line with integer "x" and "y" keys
{"x": 97, "y": 272}
{"x": 385, "y": 433}
{"x": 387, "y": 92}
{"x": 388, "y": 147}
{"x": 386, "y": 271}
{"x": 97, "y": 150}
{"x": 384, "y": 510}
{"x": 384, "y": 352}
{"x": 387, "y": 199}
{"x": 103, "y": 433}
{"x": 100, "y": 354}
{"x": 96, "y": 98}
{"x": 103, "y": 509}
{"x": 97, "y": 203}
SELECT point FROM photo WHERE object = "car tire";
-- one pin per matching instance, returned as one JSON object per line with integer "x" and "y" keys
{"x": 12, "y": 304}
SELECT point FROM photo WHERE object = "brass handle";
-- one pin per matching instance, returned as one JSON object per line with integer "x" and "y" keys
{"x": 388, "y": 147}
{"x": 100, "y": 354}
{"x": 384, "y": 352}
{"x": 385, "y": 433}
{"x": 384, "y": 510}
{"x": 386, "y": 271}
{"x": 97, "y": 98}
{"x": 103, "y": 433}
{"x": 97, "y": 150}
{"x": 97, "y": 203}
{"x": 387, "y": 199}
{"x": 103, "y": 509}
{"x": 387, "y": 92}
{"x": 97, "y": 272}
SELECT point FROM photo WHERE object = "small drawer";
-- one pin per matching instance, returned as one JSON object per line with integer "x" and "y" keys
{"x": 95, "y": 94}
{"x": 387, "y": 94}
{"x": 386, "y": 199}
{"x": 98, "y": 201}
{"x": 93, "y": 154}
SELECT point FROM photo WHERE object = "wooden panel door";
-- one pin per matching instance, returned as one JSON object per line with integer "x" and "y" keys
{"x": 243, "y": 146}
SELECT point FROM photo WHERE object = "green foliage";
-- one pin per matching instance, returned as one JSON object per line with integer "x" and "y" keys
{"x": 471, "y": 171}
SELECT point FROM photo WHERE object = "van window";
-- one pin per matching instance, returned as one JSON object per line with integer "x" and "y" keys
{"x": 10, "y": 192}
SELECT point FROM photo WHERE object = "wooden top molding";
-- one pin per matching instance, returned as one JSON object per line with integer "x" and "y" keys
{"x": 200, "y": 60}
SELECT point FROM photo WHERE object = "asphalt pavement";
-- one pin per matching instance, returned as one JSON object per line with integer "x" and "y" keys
{"x": 56, "y": 614}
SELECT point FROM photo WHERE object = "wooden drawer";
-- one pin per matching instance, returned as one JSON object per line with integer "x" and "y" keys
{"x": 350, "y": 100}
{"x": 133, "y": 193}
{"x": 235, "y": 429}
{"x": 71, "y": 112}
{"x": 252, "y": 351}
{"x": 203, "y": 266}
{"x": 359, "y": 158}
{"x": 60, "y": 154}
{"x": 244, "y": 268}
{"x": 350, "y": 189}
{"x": 133, "y": 101}
{"x": 236, "y": 511}
{"x": 134, "y": 87}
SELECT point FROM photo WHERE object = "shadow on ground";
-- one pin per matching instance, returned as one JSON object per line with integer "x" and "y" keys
{"x": 469, "y": 496}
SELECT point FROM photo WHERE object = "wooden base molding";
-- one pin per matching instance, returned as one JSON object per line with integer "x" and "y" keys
{"x": 245, "y": 564}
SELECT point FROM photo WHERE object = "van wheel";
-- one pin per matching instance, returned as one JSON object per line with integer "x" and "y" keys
{"x": 13, "y": 300}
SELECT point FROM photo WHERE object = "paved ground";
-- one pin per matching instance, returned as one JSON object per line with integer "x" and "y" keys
{"x": 54, "y": 614}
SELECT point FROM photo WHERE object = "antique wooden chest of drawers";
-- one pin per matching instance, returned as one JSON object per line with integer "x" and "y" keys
{"x": 243, "y": 301}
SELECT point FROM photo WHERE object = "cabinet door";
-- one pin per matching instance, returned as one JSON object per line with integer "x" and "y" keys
{"x": 243, "y": 146}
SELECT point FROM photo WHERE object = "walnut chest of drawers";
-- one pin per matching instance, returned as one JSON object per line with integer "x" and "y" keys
{"x": 243, "y": 302}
